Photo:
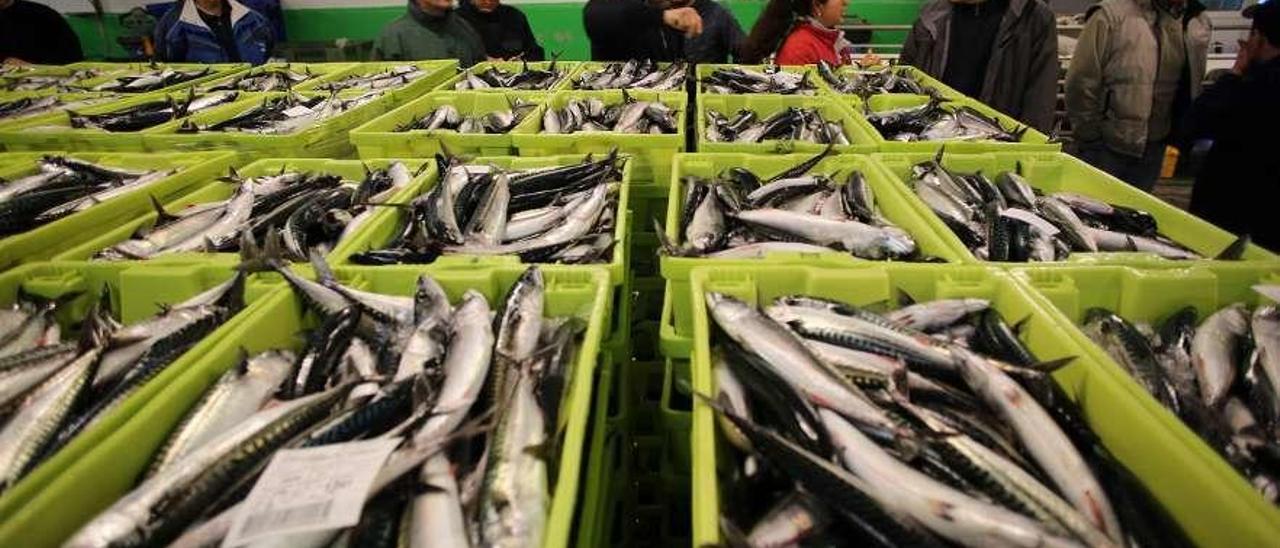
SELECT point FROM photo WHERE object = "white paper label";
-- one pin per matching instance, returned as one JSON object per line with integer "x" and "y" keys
{"x": 296, "y": 111}
{"x": 311, "y": 489}
{"x": 1045, "y": 227}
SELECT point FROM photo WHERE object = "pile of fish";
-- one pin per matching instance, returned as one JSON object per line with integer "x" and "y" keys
{"x": 447, "y": 117}
{"x": 25, "y": 107}
{"x": 635, "y": 74}
{"x": 41, "y": 82}
{"x": 561, "y": 214}
{"x": 592, "y": 115}
{"x": 737, "y": 215}
{"x": 871, "y": 82}
{"x": 526, "y": 78}
{"x": 270, "y": 79}
{"x": 311, "y": 211}
{"x": 1222, "y": 378}
{"x": 773, "y": 79}
{"x": 151, "y": 113}
{"x": 283, "y": 115}
{"x": 63, "y": 186}
{"x": 931, "y": 425}
{"x": 476, "y": 397}
{"x": 391, "y": 78}
{"x": 1008, "y": 220}
{"x": 791, "y": 123}
{"x": 931, "y": 122}
{"x": 152, "y": 80}
{"x": 52, "y": 390}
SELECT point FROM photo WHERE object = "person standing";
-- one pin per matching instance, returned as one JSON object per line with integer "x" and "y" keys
{"x": 217, "y": 31}
{"x": 1137, "y": 66}
{"x": 721, "y": 38}
{"x": 431, "y": 29}
{"x": 34, "y": 33}
{"x": 1002, "y": 52}
{"x": 1239, "y": 112}
{"x": 504, "y": 30}
{"x": 621, "y": 30}
{"x": 802, "y": 32}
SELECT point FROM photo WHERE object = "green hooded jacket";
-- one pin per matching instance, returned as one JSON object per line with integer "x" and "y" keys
{"x": 417, "y": 36}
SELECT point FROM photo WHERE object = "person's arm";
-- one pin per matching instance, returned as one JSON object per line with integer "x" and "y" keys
{"x": 1041, "y": 95}
{"x": 1084, "y": 91}
{"x": 911, "y": 46}
{"x": 529, "y": 43}
{"x": 617, "y": 21}
{"x": 1214, "y": 112}
{"x": 64, "y": 44}
{"x": 174, "y": 45}
{"x": 733, "y": 35}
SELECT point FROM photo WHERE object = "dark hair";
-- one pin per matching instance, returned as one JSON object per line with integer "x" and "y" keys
{"x": 772, "y": 26}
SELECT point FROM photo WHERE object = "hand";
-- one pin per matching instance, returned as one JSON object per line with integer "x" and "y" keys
{"x": 1244, "y": 56}
{"x": 491, "y": 58}
{"x": 14, "y": 61}
{"x": 870, "y": 59}
{"x": 685, "y": 20}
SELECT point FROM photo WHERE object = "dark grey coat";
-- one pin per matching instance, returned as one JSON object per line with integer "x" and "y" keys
{"x": 1022, "y": 75}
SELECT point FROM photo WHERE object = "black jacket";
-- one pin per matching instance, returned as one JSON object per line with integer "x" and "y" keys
{"x": 505, "y": 32}
{"x": 1022, "y": 73}
{"x": 37, "y": 34}
{"x": 622, "y": 30}
{"x": 1241, "y": 175}
{"x": 721, "y": 35}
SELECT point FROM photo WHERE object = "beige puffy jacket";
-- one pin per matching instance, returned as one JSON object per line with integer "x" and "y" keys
{"x": 1113, "y": 71}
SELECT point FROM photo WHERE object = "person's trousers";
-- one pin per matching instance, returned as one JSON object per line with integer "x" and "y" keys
{"x": 1139, "y": 172}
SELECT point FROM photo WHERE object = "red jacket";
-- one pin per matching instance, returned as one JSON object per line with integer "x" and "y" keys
{"x": 809, "y": 43}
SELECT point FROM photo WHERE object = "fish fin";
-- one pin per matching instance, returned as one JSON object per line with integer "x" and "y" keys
{"x": 162, "y": 216}
{"x": 1133, "y": 244}
{"x": 1018, "y": 325}
{"x": 1234, "y": 251}
{"x": 1042, "y": 367}
{"x": 905, "y": 299}
{"x": 733, "y": 536}
{"x": 242, "y": 361}
{"x": 664, "y": 242}
{"x": 937, "y": 158}
{"x": 1017, "y": 167}
{"x": 324, "y": 274}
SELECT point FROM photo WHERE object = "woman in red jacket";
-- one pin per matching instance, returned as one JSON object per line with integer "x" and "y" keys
{"x": 810, "y": 33}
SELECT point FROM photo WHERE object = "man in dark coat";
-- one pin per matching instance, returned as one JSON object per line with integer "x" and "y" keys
{"x": 504, "y": 30}
{"x": 621, "y": 30}
{"x": 34, "y": 33}
{"x": 1001, "y": 52}
{"x": 1240, "y": 113}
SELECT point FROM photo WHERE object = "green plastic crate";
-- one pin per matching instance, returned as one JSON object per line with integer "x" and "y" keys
{"x": 90, "y": 472}
{"x": 862, "y": 136}
{"x": 570, "y": 69}
{"x": 99, "y": 476}
{"x": 595, "y": 66}
{"x": 1059, "y": 172}
{"x": 317, "y": 71}
{"x": 210, "y": 190}
{"x": 54, "y": 131}
{"x": 436, "y": 71}
{"x": 379, "y": 138}
{"x": 652, "y": 153}
{"x": 894, "y": 202}
{"x": 605, "y": 458}
{"x": 386, "y": 225}
{"x": 820, "y": 85}
{"x": 919, "y": 75}
{"x": 115, "y": 70}
{"x": 324, "y": 139}
{"x": 1217, "y": 506}
{"x": 59, "y": 236}
{"x": 1032, "y": 140}
{"x": 89, "y": 99}
{"x": 1175, "y": 471}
